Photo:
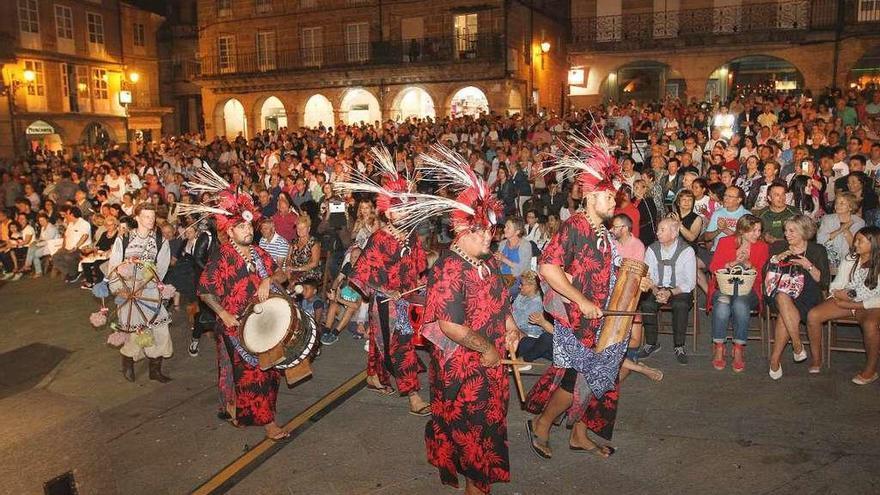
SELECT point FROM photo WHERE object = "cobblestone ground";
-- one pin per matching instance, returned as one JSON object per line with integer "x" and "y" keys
{"x": 697, "y": 431}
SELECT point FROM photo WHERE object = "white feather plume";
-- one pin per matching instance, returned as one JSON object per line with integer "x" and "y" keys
{"x": 448, "y": 169}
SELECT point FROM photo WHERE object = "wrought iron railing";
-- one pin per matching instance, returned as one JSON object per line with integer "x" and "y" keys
{"x": 747, "y": 23}
{"x": 480, "y": 47}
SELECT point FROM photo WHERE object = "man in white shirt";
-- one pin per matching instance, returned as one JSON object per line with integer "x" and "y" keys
{"x": 672, "y": 277}
{"x": 77, "y": 234}
{"x": 115, "y": 185}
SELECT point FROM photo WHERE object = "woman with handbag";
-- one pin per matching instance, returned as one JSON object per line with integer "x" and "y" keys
{"x": 746, "y": 249}
{"x": 796, "y": 274}
{"x": 855, "y": 293}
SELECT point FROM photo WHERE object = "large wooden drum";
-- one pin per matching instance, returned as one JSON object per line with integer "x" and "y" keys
{"x": 624, "y": 297}
{"x": 281, "y": 335}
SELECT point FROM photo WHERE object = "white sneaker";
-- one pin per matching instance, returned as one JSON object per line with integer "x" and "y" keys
{"x": 526, "y": 367}
{"x": 367, "y": 346}
{"x": 800, "y": 357}
{"x": 776, "y": 375}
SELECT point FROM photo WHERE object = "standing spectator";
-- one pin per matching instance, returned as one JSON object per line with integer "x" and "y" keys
{"x": 286, "y": 218}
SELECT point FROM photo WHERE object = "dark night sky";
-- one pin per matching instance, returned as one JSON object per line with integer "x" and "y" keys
{"x": 157, "y": 6}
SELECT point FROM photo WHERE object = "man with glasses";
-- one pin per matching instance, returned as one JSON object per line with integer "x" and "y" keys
{"x": 723, "y": 221}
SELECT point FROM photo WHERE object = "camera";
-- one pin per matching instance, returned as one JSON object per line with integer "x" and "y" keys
{"x": 337, "y": 207}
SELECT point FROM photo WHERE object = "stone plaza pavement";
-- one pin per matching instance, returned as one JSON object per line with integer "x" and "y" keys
{"x": 698, "y": 431}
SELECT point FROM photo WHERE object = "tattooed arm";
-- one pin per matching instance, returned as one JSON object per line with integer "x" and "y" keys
{"x": 466, "y": 337}
{"x": 213, "y": 302}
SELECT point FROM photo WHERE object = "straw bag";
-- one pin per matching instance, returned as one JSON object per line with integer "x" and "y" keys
{"x": 735, "y": 280}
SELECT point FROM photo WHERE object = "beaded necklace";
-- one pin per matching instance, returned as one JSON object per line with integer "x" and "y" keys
{"x": 478, "y": 264}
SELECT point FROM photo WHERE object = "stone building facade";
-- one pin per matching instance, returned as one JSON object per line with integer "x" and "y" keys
{"x": 648, "y": 49}
{"x": 274, "y": 63}
{"x": 66, "y": 68}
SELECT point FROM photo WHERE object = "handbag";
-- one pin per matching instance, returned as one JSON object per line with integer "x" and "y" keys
{"x": 784, "y": 277}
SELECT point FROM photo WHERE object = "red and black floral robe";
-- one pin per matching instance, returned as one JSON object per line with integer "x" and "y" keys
{"x": 251, "y": 390}
{"x": 575, "y": 248}
{"x": 467, "y": 433}
{"x": 382, "y": 266}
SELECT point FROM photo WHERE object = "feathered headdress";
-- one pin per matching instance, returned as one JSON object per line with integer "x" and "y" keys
{"x": 474, "y": 206}
{"x": 393, "y": 185}
{"x": 229, "y": 206}
{"x": 588, "y": 161}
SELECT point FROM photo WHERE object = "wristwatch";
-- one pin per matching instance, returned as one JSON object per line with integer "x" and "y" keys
{"x": 851, "y": 293}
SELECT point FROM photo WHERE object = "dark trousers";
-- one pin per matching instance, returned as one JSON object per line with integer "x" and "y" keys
{"x": 92, "y": 271}
{"x": 681, "y": 308}
{"x": 532, "y": 348}
{"x": 203, "y": 321}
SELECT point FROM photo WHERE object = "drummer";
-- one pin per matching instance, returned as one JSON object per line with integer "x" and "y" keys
{"x": 247, "y": 393}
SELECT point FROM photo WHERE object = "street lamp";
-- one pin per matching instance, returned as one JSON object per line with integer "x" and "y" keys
{"x": 134, "y": 77}
{"x": 127, "y": 82}
{"x": 9, "y": 92}
{"x": 545, "y": 49}
{"x": 29, "y": 75}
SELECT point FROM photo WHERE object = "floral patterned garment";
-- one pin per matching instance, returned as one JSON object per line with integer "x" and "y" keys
{"x": 467, "y": 433}
{"x": 575, "y": 248}
{"x": 252, "y": 391}
{"x": 300, "y": 256}
{"x": 385, "y": 263}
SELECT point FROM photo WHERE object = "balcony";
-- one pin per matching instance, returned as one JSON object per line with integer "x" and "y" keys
{"x": 483, "y": 47}
{"x": 740, "y": 24}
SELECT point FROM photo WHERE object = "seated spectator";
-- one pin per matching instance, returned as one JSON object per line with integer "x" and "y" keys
{"x": 804, "y": 197}
{"x": 671, "y": 280}
{"x": 534, "y": 231}
{"x": 861, "y": 187}
{"x": 776, "y": 213}
{"x": 723, "y": 222}
{"x": 528, "y": 313}
{"x": 39, "y": 248}
{"x": 272, "y": 242}
{"x": 77, "y": 235}
{"x": 625, "y": 206}
{"x": 855, "y": 293}
{"x": 341, "y": 294}
{"x": 811, "y": 262}
{"x": 311, "y": 302}
{"x": 837, "y": 230}
{"x": 8, "y": 248}
{"x": 514, "y": 254}
{"x": 95, "y": 256}
{"x": 285, "y": 218}
{"x": 744, "y": 248}
{"x": 304, "y": 260}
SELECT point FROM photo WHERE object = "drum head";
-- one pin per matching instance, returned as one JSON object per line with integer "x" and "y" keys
{"x": 266, "y": 325}
{"x": 303, "y": 341}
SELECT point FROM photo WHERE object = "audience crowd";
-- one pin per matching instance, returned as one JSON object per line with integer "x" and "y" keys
{"x": 780, "y": 184}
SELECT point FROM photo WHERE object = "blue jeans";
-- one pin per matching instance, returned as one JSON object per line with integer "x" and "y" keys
{"x": 740, "y": 307}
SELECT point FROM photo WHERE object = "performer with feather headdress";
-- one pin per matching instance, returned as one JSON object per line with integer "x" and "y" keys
{"x": 229, "y": 282}
{"x": 468, "y": 320}
{"x": 389, "y": 269}
{"x": 580, "y": 265}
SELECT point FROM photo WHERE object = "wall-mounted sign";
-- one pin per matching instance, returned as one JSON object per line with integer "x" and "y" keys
{"x": 39, "y": 128}
{"x": 786, "y": 85}
{"x": 576, "y": 77}
{"x": 124, "y": 97}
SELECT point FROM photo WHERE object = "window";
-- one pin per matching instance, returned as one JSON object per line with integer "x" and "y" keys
{"x": 226, "y": 53}
{"x": 139, "y": 36}
{"x": 224, "y": 7}
{"x": 38, "y": 86}
{"x": 63, "y": 22}
{"x": 96, "y": 28}
{"x": 82, "y": 81}
{"x": 357, "y": 41}
{"x": 99, "y": 84}
{"x": 869, "y": 10}
{"x": 65, "y": 84}
{"x": 28, "y": 16}
{"x": 266, "y": 50}
{"x": 312, "y": 46}
{"x": 466, "y": 34}
{"x": 263, "y": 6}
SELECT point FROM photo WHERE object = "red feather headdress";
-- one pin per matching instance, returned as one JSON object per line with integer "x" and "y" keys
{"x": 393, "y": 187}
{"x": 228, "y": 205}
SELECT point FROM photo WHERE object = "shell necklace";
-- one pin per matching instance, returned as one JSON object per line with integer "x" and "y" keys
{"x": 478, "y": 264}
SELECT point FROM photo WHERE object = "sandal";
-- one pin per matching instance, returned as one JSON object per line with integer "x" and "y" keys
{"x": 541, "y": 448}
{"x": 423, "y": 411}
{"x": 278, "y": 436}
{"x": 601, "y": 451}
{"x": 653, "y": 373}
{"x": 386, "y": 390}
